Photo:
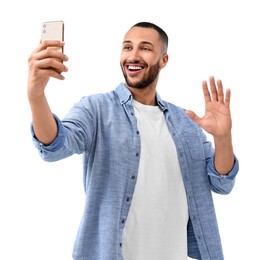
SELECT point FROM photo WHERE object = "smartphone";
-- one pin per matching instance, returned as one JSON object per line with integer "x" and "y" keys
{"x": 53, "y": 30}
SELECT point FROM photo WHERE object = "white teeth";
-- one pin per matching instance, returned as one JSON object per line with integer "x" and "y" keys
{"x": 134, "y": 68}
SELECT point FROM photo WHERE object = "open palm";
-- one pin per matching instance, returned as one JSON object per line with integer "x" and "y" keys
{"x": 217, "y": 119}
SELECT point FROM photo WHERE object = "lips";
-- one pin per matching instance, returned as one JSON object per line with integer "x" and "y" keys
{"x": 134, "y": 69}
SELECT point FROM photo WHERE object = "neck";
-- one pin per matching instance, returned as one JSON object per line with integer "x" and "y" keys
{"x": 146, "y": 96}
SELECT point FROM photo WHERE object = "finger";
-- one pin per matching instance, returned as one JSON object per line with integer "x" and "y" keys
{"x": 40, "y": 47}
{"x": 46, "y": 44}
{"x": 56, "y": 74}
{"x": 54, "y": 53}
{"x": 55, "y": 64}
{"x": 213, "y": 88}
{"x": 227, "y": 98}
{"x": 49, "y": 55}
{"x": 207, "y": 96}
{"x": 50, "y": 64}
{"x": 220, "y": 92}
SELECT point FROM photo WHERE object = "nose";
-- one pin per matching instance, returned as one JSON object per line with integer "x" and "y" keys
{"x": 134, "y": 55}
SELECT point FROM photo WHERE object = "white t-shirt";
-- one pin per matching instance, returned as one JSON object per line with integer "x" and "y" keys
{"x": 156, "y": 227}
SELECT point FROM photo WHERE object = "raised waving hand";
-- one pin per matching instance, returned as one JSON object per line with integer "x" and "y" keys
{"x": 217, "y": 118}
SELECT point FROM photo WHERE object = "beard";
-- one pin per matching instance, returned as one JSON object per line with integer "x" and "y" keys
{"x": 146, "y": 81}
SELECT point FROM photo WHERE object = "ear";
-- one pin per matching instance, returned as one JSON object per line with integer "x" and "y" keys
{"x": 164, "y": 60}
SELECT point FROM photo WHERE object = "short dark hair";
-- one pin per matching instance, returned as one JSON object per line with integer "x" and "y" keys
{"x": 162, "y": 33}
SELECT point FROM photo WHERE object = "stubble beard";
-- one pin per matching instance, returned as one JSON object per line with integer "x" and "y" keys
{"x": 146, "y": 80}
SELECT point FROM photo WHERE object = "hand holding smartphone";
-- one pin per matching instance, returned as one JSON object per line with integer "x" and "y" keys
{"x": 54, "y": 31}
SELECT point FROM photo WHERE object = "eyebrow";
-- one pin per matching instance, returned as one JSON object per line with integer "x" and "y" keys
{"x": 143, "y": 42}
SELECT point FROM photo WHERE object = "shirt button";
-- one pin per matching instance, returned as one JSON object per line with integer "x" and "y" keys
{"x": 132, "y": 113}
{"x": 137, "y": 154}
{"x": 127, "y": 199}
{"x": 123, "y": 221}
{"x": 137, "y": 132}
{"x": 120, "y": 244}
{"x": 133, "y": 177}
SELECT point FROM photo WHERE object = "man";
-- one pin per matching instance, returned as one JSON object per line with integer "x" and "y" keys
{"x": 149, "y": 171}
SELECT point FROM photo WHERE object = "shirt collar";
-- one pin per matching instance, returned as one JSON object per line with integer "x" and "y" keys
{"x": 125, "y": 96}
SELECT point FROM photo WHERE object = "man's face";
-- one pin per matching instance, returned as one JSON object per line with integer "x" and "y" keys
{"x": 141, "y": 57}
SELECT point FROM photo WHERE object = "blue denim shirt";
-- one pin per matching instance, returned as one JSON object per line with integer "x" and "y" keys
{"x": 103, "y": 128}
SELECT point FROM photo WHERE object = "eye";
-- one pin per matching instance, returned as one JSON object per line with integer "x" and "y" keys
{"x": 145, "y": 48}
{"x": 127, "y": 47}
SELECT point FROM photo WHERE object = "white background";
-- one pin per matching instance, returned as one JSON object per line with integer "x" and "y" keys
{"x": 42, "y": 203}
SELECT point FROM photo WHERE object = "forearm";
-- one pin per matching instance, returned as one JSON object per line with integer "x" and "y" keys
{"x": 44, "y": 124}
{"x": 224, "y": 154}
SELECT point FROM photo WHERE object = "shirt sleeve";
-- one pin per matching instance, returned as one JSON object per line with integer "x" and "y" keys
{"x": 57, "y": 142}
{"x": 231, "y": 175}
{"x": 222, "y": 184}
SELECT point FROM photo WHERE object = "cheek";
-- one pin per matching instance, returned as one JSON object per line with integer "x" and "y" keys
{"x": 122, "y": 58}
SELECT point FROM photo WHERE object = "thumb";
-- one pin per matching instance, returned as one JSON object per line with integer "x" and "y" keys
{"x": 193, "y": 116}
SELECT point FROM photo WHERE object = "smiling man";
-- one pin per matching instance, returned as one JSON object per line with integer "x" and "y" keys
{"x": 149, "y": 170}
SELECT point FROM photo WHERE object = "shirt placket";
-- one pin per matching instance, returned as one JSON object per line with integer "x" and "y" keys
{"x": 131, "y": 175}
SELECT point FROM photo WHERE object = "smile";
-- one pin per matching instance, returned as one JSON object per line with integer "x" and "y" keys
{"x": 134, "y": 68}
